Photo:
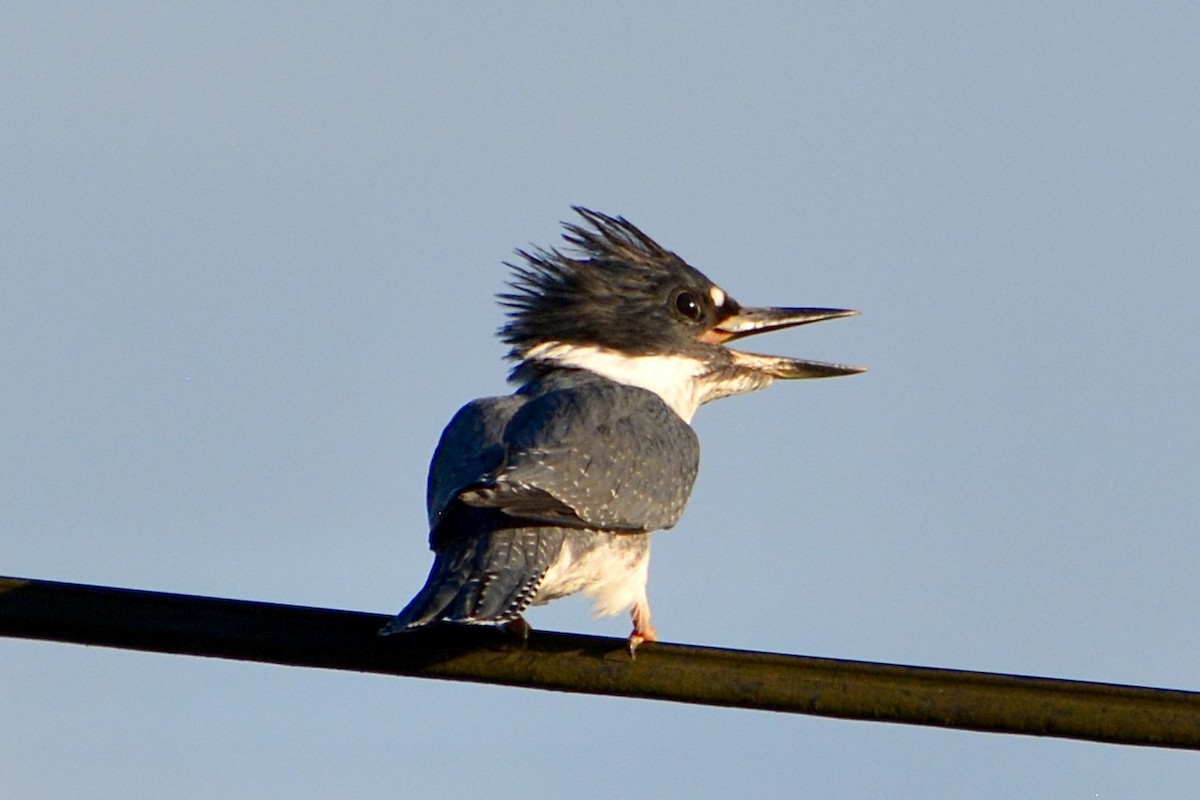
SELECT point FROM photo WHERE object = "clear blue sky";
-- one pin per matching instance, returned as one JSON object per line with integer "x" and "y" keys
{"x": 247, "y": 267}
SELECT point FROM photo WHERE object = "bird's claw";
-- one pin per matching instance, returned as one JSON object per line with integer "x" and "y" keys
{"x": 645, "y": 634}
{"x": 643, "y": 631}
{"x": 519, "y": 628}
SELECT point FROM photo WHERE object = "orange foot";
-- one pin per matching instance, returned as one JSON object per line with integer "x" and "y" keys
{"x": 643, "y": 631}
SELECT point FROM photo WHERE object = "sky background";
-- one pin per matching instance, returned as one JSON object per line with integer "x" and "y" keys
{"x": 247, "y": 267}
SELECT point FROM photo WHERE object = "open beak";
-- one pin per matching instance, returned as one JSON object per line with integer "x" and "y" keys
{"x": 749, "y": 321}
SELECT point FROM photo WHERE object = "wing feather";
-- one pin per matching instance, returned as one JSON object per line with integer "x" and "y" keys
{"x": 602, "y": 455}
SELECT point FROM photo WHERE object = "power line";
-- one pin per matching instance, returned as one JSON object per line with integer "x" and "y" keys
{"x": 330, "y": 639}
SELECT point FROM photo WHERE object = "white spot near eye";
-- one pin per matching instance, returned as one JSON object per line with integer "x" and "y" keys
{"x": 718, "y": 296}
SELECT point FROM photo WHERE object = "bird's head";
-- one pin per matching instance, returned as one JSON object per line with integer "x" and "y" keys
{"x": 623, "y": 306}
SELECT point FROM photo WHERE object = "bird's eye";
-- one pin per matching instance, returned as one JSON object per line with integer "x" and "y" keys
{"x": 688, "y": 305}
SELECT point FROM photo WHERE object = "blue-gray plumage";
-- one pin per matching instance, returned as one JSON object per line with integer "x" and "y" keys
{"x": 556, "y": 488}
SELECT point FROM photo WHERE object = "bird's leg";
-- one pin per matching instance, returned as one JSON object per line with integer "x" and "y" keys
{"x": 519, "y": 628}
{"x": 643, "y": 631}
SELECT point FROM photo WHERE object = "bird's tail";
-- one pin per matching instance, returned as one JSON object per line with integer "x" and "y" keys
{"x": 486, "y": 579}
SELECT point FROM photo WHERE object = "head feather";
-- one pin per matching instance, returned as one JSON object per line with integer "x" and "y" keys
{"x": 610, "y": 270}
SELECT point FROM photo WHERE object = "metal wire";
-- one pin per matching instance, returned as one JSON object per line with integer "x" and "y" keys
{"x": 346, "y": 640}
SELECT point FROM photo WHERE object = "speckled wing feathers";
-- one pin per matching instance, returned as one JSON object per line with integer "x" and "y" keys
{"x": 514, "y": 476}
{"x": 489, "y": 577}
{"x": 600, "y": 456}
{"x": 471, "y": 447}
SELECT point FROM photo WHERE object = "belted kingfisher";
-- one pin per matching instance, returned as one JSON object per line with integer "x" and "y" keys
{"x": 556, "y": 488}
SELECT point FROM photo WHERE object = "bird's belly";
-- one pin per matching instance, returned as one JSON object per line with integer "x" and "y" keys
{"x": 610, "y": 568}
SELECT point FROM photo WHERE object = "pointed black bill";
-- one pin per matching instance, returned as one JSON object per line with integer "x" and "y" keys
{"x": 791, "y": 368}
{"x": 749, "y": 321}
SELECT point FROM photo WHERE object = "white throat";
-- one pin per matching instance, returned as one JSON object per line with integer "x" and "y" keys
{"x": 674, "y": 378}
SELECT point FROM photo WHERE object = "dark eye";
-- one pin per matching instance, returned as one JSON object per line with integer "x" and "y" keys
{"x": 688, "y": 305}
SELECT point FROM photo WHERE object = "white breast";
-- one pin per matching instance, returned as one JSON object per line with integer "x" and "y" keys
{"x": 610, "y": 568}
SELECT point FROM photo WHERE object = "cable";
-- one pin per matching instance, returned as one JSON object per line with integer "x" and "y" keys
{"x": 347, "y": 640}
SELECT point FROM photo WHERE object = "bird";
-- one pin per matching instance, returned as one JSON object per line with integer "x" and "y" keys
{"x": 556, "y": 488}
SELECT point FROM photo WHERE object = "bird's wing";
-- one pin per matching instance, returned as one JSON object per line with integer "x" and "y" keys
{"x": 471, "y": 447}
{"x": 603, "y": 455}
